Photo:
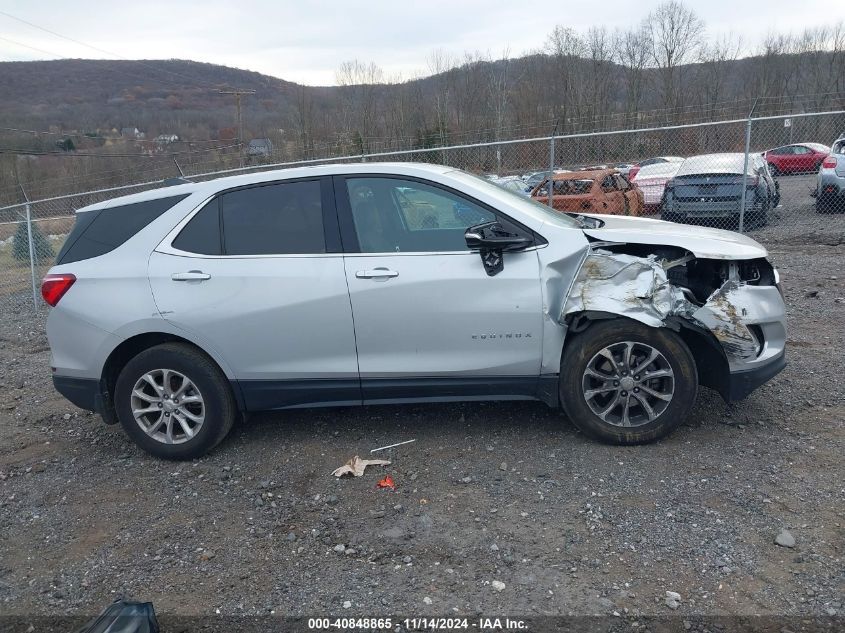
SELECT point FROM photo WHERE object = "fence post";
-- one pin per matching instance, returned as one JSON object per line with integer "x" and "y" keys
{"x": 31, "y": 256}
{"x": 551, "y": 186}
{"x": 744, "y": 176}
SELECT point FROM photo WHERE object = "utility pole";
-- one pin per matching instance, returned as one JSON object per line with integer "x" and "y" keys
{"x": 238, "y": 94}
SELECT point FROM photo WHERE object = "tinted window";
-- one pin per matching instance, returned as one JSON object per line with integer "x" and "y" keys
{"x": 802, "y": 150}
{"x": 202, "y": 234}
{"x": 395, "y": 215}
{"x": 278, "y": 219}
{"x": 98, "y": 232}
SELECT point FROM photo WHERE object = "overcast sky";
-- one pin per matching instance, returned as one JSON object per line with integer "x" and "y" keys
{"x": 305, "y": 41}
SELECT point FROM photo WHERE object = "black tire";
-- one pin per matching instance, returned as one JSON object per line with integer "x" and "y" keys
{"x": 823, "y": 204}
{"x": 760, "y": 217}
{"x": 219, "y": 404}
{"x": 586, "y": 345}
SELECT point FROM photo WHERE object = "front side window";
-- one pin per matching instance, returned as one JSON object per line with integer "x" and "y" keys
{"x": 394, "y": 215}
{"x": 278, "y": 219}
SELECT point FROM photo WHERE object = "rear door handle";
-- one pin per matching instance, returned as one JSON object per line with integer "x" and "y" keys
{"x": 191, "y": 275}
{"x": 376, "y": 273}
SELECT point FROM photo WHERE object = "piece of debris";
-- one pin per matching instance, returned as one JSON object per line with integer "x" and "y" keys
{"x": 356, "y": 466}
{"x": 124, "y": 615}
{"x": 812, "y": 293}
{"x": 386, "y": 482}
{"x": 673, "y": 600}
{"x": 427, "y": 600}
{"x": 785, "y": 539}
{"x": 382, "y": 448}
{"x": 347, "y": 604}
{"x": 498, "y": 585}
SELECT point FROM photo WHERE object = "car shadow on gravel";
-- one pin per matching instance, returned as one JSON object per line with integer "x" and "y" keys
{"x": 379, "y": 425}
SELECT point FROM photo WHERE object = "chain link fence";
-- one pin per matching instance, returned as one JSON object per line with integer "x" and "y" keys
{"x": 756, "y": 175}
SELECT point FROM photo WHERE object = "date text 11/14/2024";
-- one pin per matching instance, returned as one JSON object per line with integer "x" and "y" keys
{"x": 419, "y": 624}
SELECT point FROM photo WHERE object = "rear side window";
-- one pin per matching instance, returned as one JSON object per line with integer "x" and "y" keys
{"x": 99, "y": 232}
{"x": 202, "y": 234}
{"x": 279, "y": 219}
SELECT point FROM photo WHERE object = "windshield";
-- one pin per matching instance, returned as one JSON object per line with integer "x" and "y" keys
{"x": 528, "y": 205}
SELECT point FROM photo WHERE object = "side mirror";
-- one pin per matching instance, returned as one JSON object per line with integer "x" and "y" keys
{"x": 491, "y": 240}
{"x": 492, "y": 236}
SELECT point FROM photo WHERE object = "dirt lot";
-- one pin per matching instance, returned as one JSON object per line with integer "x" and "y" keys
{"x": 506, "y": 492}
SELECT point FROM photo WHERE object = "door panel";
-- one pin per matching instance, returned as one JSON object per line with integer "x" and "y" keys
{"x": 423, "y": 305}
{"x": 442, "y": 315}
{"x": 270, "y": 318}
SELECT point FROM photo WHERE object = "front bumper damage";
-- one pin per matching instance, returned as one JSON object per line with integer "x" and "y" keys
{"x": 746, "y": 321}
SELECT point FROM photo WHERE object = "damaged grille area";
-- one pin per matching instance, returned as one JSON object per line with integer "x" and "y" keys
{"x": 651, "y": 284}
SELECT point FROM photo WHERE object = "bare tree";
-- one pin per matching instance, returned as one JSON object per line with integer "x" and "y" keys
{"x": 634, "y": 54}
{"x": 676, "y": 35}
{"x": 566, "y": 49}
{"x": 440, "y": 63}
{"x": 600, "y": 46}
{"x": 716, "y": 58}
{"x": 359, "y": 84}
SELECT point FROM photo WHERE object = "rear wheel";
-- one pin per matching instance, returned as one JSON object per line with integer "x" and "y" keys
{"x": 174, "y": 402}
{"x": 760, "y": 217}
{"x": 822, "y": 203}
{"x": 626, "y": 383}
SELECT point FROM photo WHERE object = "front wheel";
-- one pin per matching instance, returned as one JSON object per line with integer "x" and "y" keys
{"x": 174, "y": 402}
{"x": 626, "y": 383}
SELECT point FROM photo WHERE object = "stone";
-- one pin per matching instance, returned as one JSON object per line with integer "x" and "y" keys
{"x": 785, "y": 539}
{"x": 673, "y": 600}
{"x": 498, "y": 585}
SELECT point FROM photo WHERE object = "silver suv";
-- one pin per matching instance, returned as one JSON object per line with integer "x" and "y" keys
{"x": 175, "y": 310}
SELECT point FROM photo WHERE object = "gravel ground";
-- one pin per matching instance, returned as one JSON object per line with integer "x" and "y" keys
{"x": 499, "y": 508}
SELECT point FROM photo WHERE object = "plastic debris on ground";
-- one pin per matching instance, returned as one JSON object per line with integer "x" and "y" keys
{"x": 356, "y": 466}
{"x": 386, "y": 482}
{"x": 124, "y": 616}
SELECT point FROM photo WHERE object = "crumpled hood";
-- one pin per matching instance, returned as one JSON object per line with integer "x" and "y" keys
{"x": 701, "y": 241}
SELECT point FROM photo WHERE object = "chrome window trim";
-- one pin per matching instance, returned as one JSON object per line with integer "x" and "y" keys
{"x": 165, "y": 246}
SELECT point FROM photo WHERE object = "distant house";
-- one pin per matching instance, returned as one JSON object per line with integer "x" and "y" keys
{"x": 259, "y": 147}
{"x": 166, "y": 139}
{"x": 131, "y": 132}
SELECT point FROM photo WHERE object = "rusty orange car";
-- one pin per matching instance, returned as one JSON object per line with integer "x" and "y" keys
{"x": 599, "y": 191}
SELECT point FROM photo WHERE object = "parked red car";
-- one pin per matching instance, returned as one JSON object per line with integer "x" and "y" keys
{"x": 797, "y": 158}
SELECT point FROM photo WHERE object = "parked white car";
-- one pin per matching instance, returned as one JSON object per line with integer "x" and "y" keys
{"x": 652, "y": 179}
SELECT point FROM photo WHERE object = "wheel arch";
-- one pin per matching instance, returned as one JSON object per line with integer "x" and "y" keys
{"x": 711, "y": 362}
{"x": 134, "y": 345}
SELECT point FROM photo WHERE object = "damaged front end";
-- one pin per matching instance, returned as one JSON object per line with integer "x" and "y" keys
{"x": 730, "y": 312}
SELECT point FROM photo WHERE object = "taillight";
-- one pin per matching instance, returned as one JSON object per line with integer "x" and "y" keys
{"x": 54, "y": 287}
{"x": 829, "y": 162}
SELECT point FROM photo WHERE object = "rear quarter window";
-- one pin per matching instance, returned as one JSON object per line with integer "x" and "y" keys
{"x": 103, "y": 230}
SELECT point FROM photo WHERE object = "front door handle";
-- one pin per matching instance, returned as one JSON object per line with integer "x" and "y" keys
{"x": 191, "y": 275}
{"x": 377, "y": 273}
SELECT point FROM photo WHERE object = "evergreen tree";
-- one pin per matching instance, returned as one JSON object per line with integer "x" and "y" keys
{"x": 20, "y": 247}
